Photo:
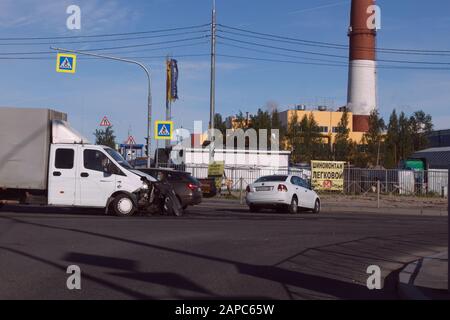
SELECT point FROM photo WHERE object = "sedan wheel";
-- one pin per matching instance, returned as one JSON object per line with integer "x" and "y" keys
{"x": 293, "y": 207}
{"x": 316, "y": 206}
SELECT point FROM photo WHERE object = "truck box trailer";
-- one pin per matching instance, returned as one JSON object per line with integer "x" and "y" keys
{"x": 25, "y": 146}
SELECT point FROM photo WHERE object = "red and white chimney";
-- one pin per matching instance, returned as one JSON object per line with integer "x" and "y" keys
{"x": 361, "y": 99}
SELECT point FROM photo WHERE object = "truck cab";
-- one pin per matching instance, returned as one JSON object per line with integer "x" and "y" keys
{"x": 90, "y": 176}
{"x": 45, "y": 161}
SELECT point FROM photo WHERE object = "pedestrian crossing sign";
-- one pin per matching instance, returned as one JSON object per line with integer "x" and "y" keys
{"x": 66, "y": 63}
{"x": 163, "y": 130}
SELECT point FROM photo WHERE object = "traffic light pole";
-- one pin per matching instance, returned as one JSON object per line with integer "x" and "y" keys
{"x": 149, "y": 97}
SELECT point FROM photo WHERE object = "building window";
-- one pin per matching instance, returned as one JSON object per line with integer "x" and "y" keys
{"x": 323, "y": 129}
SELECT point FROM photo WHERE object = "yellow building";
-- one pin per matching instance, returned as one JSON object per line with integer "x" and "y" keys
{"x": 234, "y": 123}
{"x": 327, "y": 121}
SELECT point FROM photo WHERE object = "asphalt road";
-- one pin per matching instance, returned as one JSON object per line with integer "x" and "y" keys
{"x": 217, "y": 250}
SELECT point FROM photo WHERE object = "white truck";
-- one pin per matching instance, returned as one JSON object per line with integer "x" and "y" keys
{"x": 44, "y": 161}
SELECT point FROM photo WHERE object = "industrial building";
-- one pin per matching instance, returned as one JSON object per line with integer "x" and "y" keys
{"x": 439, "y": 139}
{"x": 434, "y": 158}
{"x": 327, "y": 121}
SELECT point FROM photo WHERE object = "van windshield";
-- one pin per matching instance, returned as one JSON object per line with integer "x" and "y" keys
{"x": 116, "y": 156}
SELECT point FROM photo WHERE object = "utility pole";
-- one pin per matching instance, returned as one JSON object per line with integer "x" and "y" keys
{"x": 212, "y": 104}
{"x": 149, "y": 97}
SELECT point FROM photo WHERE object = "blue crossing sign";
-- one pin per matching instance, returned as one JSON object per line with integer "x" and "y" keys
{"x": 66, "y": 63}
{"x": 163, "y": 130}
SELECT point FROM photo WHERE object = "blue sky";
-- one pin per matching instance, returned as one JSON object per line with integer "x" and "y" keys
{"x": 118, "y": 90}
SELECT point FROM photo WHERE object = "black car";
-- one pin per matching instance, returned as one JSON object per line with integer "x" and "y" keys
{"x": 187, "y": 188}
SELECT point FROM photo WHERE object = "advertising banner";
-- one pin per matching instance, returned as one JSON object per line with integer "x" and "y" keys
{"x": 172, "y": 80}
{"x": 327, "y": 175}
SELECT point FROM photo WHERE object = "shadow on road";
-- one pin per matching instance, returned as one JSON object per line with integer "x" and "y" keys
{"x": 298, "y": 274}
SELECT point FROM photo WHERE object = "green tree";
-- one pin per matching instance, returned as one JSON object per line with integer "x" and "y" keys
{"x": 405, "y": 147}
{"x": 311, "y": 144}
{"x": 373, "y": 139}
{"x": 293, "y": 138}
{"x": 391, "y": 156}
{"x": 342, "y": 143}
{"x": 276, "y": 124}
{"x": 421, "y": 126}
{"x": 241, "y": 121}
{"x": 261, "y": 120}
{"x": 219, "y": 123}
{"x": 105, "y": 137}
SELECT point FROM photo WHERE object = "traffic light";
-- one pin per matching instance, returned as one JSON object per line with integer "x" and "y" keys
{"x": 146, "y": 146}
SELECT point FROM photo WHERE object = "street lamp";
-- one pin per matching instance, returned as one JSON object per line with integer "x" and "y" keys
{"x": 149, "y": 99}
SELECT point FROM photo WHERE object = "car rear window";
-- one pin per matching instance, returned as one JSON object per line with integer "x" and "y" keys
{"x": 192, "y": 179}
{"x": 272, "y": 179}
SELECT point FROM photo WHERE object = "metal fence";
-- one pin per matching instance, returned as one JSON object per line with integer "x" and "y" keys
{"x": 356, "y": 180}
{"x": 402, "y": 182}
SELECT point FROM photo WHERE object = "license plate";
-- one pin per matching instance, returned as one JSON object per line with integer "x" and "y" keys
{"x": 263, "y": 188}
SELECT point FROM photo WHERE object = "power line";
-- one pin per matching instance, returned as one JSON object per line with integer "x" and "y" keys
{"x": 330, "y": 55}
{"x": 284, "y": 49}
{"x": 110, "y": 48}
{"x": 126, "y": 57}
{"x": 274, "y": 53}
{"x": 332, "y": 64}
{"x": 103, "y": 40}
{"x": 106, "y": 35}
{"x": 342, "y": 46}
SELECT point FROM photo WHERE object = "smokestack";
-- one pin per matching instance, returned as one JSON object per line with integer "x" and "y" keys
{"x": 361, "y": 98}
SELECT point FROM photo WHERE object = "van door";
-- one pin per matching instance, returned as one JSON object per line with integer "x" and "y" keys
{"x": 62, "y": 175}
{"x": 96, "y": 184}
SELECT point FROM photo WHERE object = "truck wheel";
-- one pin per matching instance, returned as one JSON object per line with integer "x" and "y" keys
{"x": 123, "y": 206}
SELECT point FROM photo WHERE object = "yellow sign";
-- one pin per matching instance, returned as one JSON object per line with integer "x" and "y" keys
{"x": 66, "y": 63}
{"x": 327, "y": 175}
{"x": 216, "y": 169}
{"x": 163, "y": 130}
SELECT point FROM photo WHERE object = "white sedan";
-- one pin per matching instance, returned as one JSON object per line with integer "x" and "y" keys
{"x": 282, "y": 192}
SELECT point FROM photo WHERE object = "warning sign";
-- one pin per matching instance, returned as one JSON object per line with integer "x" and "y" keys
{"x": 105, "y": 122}
{"x": 66, "y": 62}
{"x": 130, "y": 140}
{"x": 163, "y": 130}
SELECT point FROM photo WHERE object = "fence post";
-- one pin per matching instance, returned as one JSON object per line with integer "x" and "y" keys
{"x": 240, "y": 187}
{"x": 386, "y": 182}
{"x": 378, "y": 193}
